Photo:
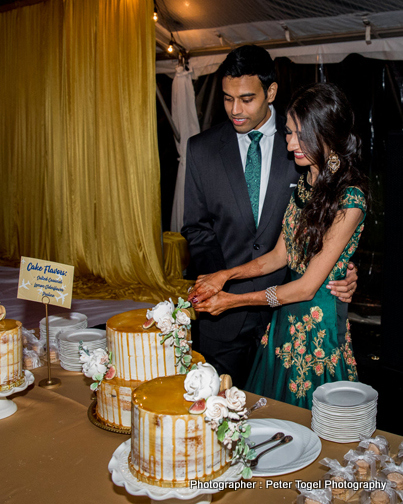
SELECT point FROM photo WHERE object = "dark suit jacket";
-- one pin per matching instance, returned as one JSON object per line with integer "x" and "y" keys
{"x": 218, "y": 220}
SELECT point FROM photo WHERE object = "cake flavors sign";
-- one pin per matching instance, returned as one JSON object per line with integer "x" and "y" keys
{"x": 45, "y": 279}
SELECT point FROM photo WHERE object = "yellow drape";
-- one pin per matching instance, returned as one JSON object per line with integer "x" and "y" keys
{"x": 79, "y": 158}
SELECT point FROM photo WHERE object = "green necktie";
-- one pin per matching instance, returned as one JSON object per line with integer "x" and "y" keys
{"x": 252, "y": 172}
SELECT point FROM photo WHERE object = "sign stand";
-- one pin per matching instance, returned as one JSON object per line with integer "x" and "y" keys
{"x": 49, "y": 382}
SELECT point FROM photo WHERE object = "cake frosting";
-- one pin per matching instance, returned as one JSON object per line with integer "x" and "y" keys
{"x": 137, "y": 355}
{"x": 136, "y": 352}
{"x": 11, "y": 359}
{"x": 170, "y": 446}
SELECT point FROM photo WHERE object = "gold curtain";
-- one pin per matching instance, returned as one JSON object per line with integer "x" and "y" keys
{"x": 79, "y": 158}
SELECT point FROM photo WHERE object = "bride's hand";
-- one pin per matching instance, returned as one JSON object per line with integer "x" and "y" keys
{"x": 215, "y": 304}
{"x": 207, "y": 286}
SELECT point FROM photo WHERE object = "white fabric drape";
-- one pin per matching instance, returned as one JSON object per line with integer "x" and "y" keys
{"x": 185, "y": 118}
{"x": 385, "y": 49}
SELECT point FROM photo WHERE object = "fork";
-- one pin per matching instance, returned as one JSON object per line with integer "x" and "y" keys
{"x": 285, "y": 440}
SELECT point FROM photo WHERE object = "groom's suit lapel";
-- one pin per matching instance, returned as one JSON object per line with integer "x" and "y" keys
{"x": 278, "y": 172}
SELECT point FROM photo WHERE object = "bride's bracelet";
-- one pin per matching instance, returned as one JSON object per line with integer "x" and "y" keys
{"x": 271, "y": 296}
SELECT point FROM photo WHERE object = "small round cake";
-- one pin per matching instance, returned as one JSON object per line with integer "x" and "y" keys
{"x": 170, "y": 446}
{"x": 11, "y": 372}
{"x": 137, "y": 352}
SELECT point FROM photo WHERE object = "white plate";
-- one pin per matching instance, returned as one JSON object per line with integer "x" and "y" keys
{"x": 348, "y": 438}
{"x": 84, "y": 335}
{"x": 302, "y": 451}
{"x": 345, "y": 394}
{"x": 64, "y": 320}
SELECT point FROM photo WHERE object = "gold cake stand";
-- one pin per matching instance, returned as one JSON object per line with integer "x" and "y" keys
{"x": 93, "y": 417}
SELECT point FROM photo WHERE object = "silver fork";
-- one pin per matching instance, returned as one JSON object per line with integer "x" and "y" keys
{"x": 255, "y": 461}
{"x": 276, "y": 437}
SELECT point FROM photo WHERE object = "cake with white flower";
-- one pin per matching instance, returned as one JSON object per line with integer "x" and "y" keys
{"x": 11, "y": 359}
{"x": 184, "y": 428}
{"x": 142, "y": 345}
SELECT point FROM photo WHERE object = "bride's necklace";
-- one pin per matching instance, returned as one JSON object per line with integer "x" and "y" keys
{"x": 304, "y": 194}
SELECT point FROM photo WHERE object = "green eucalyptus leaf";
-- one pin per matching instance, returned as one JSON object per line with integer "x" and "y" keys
{"x": 246, "y": 472}
{"x": 187, "y": 359}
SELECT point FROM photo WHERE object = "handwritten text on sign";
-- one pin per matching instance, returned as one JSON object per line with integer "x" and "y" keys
{"x": 40, "y": 278}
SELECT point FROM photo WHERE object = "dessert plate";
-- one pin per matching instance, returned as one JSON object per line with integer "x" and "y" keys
{"x": 343, "y": 410}
{"x": 84, "y": 335}
{"x": 302, "y": 451}
{"x": 345, "y": 394}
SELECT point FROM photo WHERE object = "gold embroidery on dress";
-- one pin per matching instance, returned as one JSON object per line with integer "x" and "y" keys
{"x": 304, "y": 194}
{"x": 295, "y": 354}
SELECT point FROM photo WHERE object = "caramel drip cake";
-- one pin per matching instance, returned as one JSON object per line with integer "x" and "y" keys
{"x": 137, "y": 356}
{"x": 137, "y": 352}
{"x": 11, "y": 372}
{"x": 170, "y": 446}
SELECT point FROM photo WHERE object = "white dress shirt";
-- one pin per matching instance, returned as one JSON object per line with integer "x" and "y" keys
{"x": 266, "y": 146}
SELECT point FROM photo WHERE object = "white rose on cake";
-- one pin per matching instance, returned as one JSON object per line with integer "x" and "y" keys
{"x": 216, "y": 408}
{"x": 236, "y": 398}
{"x": 165, "y": 325}
{"x": 95, "y": 363}
{"x": 201, "y": 383}
{"x": 182, "y": 318}
{"x": 161, "y": 310}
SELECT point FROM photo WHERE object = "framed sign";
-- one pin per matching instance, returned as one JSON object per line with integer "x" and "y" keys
{"x": 39, "y": 279}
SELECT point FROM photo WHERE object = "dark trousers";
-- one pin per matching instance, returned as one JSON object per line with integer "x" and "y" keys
{"x": 235, "y": 357}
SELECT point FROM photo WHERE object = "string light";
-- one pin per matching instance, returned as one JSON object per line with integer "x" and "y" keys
{"x": 155, "y": 15}
{"x": 171, "y": 44}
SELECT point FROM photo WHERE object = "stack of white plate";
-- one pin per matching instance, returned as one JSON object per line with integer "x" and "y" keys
{"x": 61, "y": 323}
{"x": 69, "y": 342}
{"x": 343, "y": 410}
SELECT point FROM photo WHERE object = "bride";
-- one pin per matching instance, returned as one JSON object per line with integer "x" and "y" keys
{"x": 308, "y": 342}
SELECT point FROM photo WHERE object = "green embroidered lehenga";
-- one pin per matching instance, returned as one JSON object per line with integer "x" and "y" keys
{"x": 308, "y": 343}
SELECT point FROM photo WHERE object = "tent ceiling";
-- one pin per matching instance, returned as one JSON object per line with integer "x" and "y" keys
{"x": 216, "y": 26}
{"x": 181, "y": 15}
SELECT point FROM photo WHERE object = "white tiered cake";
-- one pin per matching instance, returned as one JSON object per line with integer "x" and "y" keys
{"x": 137, "y": 356}
{"x": 11, "y": 372}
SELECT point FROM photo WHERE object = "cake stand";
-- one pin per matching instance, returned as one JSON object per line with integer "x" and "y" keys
{"x": 7, "y": 406}
{"x": 121, "y": 476}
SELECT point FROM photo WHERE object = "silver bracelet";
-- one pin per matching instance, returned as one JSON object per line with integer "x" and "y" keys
{"x": 271, "y": 296}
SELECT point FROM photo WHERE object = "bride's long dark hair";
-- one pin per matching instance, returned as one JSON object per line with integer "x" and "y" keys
{"x": 325, "y": 122}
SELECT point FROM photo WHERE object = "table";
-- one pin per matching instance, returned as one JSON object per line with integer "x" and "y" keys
{"x": 51, "y": 452}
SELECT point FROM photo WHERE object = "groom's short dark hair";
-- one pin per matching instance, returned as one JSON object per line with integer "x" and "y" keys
{"x": 249, "y": 60}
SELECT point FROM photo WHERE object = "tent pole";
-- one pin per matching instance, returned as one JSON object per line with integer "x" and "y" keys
{"x": 168, "y": 114}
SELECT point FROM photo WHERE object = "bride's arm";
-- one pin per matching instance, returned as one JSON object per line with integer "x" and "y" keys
{"x": 305, "y": 287}
{"x": 209, "y": 285}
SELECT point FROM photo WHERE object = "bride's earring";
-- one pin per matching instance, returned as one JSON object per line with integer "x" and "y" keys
{"x": 333, "y": 163}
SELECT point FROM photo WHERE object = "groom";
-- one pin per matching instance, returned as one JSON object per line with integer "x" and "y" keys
{"x": 239, "y": 180}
